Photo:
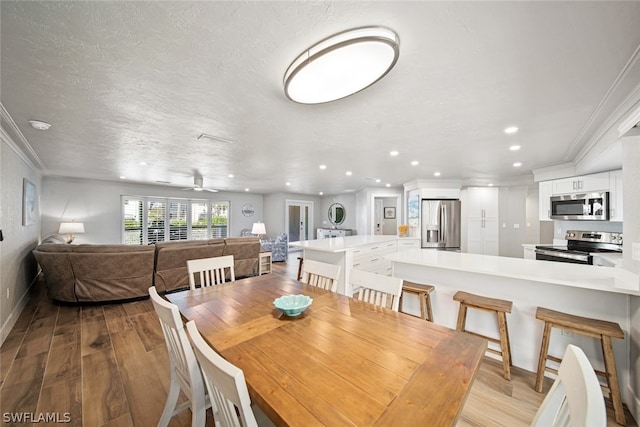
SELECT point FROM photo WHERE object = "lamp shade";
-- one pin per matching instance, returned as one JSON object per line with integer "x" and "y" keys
{"x": 71, "y": 228}
{"x": 258, "y": 228}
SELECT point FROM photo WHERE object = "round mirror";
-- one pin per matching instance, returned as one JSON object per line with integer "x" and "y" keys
{"x": 337, "y": 214}
{"x": 247, "y": 209}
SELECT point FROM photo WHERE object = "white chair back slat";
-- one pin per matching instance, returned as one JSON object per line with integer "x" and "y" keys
{"x": 382, "y": 291}
{"x": 321, "y": 274}
{"x": 185, "y": 371}
{"x": 210, "y": 271}
{"x": 225, "y": 383}
{"x": 575, "y": 398}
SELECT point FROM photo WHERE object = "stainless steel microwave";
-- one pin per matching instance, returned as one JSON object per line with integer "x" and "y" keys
{"x": 582, "y": 206}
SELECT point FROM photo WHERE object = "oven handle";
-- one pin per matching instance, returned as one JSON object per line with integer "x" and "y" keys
{"x": 562, "y": 255}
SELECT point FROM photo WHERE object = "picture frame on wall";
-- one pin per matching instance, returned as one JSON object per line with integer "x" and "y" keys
{"x": 28, "y": 202}
{"x": 389, "y": 213}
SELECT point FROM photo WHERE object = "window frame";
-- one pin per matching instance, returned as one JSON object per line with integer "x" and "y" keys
{"x": 167, "y": 201}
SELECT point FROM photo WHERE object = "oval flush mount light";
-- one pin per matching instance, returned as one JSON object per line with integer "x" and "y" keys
{"x": 40, "y": 125}
{"x": 341, "y": 65}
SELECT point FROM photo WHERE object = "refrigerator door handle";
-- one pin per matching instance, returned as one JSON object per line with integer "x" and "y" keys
{"x": 443, "y": 223}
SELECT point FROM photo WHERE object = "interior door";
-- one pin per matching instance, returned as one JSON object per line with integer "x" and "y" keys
{"x": 299, "y": 219}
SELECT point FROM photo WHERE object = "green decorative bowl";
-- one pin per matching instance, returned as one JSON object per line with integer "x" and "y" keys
{"x": 292, "y": 305}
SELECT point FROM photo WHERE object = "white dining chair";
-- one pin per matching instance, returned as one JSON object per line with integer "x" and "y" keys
{"x": 210, "y": 271}
{"x": 575, "y": 398}
{"x": 226, "y": 385}
{"x": 185, "y": 371}
{"x": 383, "y": 291}
{"x": 321, "y": 274}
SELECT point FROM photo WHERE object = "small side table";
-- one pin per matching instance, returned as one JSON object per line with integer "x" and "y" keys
{"x": 264, "y": 263}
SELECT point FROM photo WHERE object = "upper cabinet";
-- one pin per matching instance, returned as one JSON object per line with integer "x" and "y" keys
{"x": 482, "y": 202}
{"x": 582, "y": 184}
{"x": 615, "y": 196}
{"x": 545, "y": 191}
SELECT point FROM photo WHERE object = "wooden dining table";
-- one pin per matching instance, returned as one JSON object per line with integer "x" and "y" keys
{"x": 342, "y": 362}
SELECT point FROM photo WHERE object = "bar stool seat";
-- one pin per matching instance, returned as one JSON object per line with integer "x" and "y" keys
{"x": 599, "y": 329}
{"x": 497, "y": 306}
{"x": 422, "y": 291}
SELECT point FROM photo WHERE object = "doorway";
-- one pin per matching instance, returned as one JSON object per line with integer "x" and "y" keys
{"x": 299, "y": 220}
{"x": 385, "y": 220}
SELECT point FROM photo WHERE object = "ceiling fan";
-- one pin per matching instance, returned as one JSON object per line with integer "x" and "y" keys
{"x": 198, "y": 185}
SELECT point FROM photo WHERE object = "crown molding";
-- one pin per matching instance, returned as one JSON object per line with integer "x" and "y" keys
{"x": 15, "y": 139}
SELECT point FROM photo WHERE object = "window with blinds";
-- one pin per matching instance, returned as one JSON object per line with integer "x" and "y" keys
{"x": 148, "y": 220}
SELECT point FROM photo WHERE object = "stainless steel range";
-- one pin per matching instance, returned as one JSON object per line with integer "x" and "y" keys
{"x": 580, "y": 244}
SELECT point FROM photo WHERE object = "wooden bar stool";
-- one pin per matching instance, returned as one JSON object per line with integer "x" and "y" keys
{"x": 599, "y": 329}
{"x": 422, "y": 291}
{"x": 500, "y": 308}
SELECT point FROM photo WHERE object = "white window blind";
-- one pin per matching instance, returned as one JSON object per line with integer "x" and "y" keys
{"x": 148, "y": 220}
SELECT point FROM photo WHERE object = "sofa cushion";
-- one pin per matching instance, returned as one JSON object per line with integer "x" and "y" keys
{"x": 171, "y": 261}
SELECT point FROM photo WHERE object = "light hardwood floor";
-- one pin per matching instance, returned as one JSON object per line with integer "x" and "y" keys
{"x": 107, "y": 365}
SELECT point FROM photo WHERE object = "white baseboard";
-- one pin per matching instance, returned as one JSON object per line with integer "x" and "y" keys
{"x": 15, "y": 313}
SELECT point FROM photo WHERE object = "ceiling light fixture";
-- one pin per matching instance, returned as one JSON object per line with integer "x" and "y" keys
{"x": 394, "y": 153}
{"x": 348, "y": 173}
{"x": 214, "y": 138}
{"x": 517, "y": 164}
{"x": 39, "y": 125}
{"x": 341, "y": 65}
{"x": 511, "y": 129}
{"x": 514, "y": 148}
{"x": 436, "y": 174}
{"x": 323, "y": 167}
{"x": 415, "y": 163}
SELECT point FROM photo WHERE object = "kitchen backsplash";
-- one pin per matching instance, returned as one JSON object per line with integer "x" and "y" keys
{"x": 561, "y": 227}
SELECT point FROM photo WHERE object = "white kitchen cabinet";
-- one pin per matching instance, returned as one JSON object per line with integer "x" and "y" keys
{"x": 582, "y": 184}
{"x": 482, "y": 236}
{"x": 408, "y": 243}
{"x": 545, "y": 190}
{"x": 482, "y": 220}
{"x": 615, "y": 195}
{"x": 482, "y": 202}
{"x": 529, "y": 251}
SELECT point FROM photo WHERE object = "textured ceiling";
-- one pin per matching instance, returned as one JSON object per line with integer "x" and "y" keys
{"x": 129, "y": 82}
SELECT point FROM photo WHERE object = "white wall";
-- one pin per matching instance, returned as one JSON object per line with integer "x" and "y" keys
{"x": 512, "y": 221}
{"x": 349, "y": 203}
{"x": 18, "y": 268}
{"x": 365, "y": 206}
{"x": 98, "y": 205}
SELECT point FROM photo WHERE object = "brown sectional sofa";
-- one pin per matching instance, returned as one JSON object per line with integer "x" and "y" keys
{"x": 102, "y": 273}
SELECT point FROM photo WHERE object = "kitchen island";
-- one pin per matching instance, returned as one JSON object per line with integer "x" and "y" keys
{"x": 584, "y": 290}
{"x": 361, "y": 252}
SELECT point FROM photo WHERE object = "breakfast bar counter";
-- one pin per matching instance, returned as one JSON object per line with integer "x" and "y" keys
{"x": 596, "y": 292}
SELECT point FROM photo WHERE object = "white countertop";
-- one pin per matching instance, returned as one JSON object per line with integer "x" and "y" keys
{"x": 613, "y": 259}
{"x": 559, "y": 273}
{"x": 342, "y": 244}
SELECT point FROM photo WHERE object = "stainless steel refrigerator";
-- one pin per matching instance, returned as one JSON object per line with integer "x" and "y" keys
{"x": 440, "y": 224}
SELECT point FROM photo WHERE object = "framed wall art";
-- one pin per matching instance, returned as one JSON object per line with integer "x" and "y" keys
{"x": 389, "y": 213}
{"x": 28, "y": 202}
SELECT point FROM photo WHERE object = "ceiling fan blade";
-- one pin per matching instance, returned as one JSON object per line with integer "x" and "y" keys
{"x": 185, "y": 189}
{"x": 210, "y": 190}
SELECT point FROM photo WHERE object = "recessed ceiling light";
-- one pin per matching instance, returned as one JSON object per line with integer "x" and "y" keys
{"x": 436, "y": 174}
{"x": 415, "y": 163}
{"x": 287, "y": 184}
{"x": 394, "y": 153}
{"x": 348, "y": 173}
{"x": 246, "y": 189}
{"x": 341, "y": 65}
{"x": 39, "y": 125}
{"x": 143, "y": 163}
{"x": 511, "y": 129}
{"x": 378, "y": 180}
{"x": 517, "y": 164}
{"x": 490, "y": 185}
{"x": 387, "y": 185}
{"x": 230, "y": 175}
{"x": 321, "y": 193}
{"x": 323, "y": 167}
{"x": 123, "y": 177}
{"x": 514, "y": 148}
